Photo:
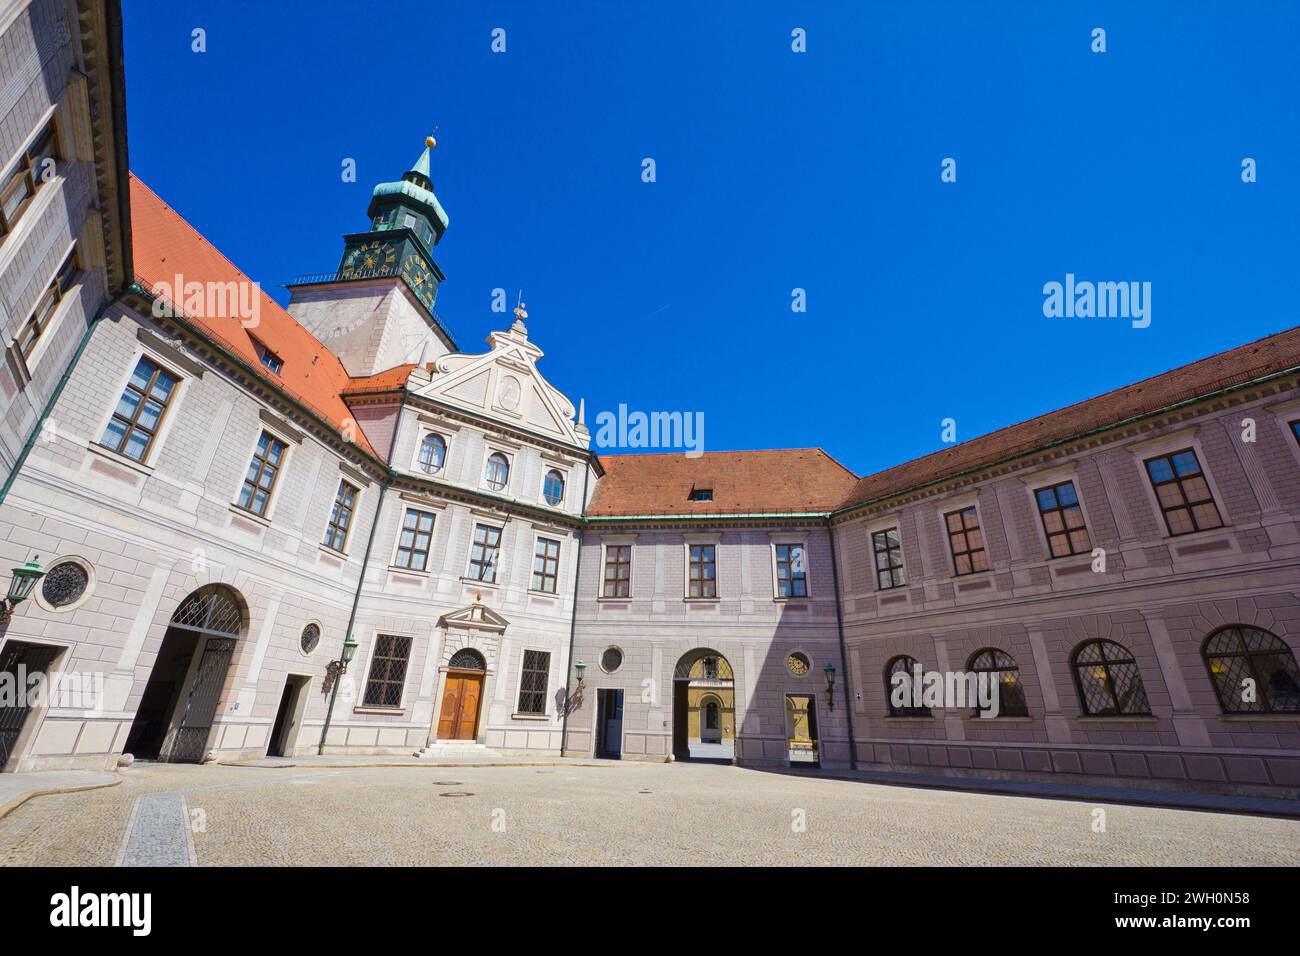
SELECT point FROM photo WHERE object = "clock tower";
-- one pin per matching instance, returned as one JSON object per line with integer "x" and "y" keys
{"x": 376, "y": 311}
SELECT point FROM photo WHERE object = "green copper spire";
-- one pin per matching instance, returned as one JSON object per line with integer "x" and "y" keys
{"x": 414, "y": 193}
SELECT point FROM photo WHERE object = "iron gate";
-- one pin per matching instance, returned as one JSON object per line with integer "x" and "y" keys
{"x": 189, "y": 741}
{"x": 32, "y": 658}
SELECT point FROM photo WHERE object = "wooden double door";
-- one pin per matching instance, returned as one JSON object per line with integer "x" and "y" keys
{"x": 460, "y": 705}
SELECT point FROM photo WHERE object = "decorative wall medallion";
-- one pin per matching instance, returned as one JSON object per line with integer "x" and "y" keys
{"x": 508, "y": 393}
{"x": 798, "y": 663}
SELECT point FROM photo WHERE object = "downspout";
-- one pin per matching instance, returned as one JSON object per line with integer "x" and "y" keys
{"x": 573, "y": 616}
{"x": 844, "y": 657}
{"x": 54, "y": 397}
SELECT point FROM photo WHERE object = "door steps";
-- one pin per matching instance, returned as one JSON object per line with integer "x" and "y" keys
{"x": 443, "y": 749}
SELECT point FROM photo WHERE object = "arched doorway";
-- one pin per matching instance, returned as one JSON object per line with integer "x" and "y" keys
{"x": 458, "y": 719}
{"x": 704, "y": 707}
{"x": 176, "y": 712}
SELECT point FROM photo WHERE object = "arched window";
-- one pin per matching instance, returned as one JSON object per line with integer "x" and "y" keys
{"x": 433, "y": 453}
{"x": 899, "y": 691}
{"x": 1004, "y": 670}
{"x": 1108, "y": 680}
{"x": 553, "y": 488}
{"x": 498, "y": 471}
{"x": 711, "y": 721}
{"x": 1253, "y": 671}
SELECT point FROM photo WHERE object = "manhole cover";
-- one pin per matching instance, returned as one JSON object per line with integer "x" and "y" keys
{"x": 446, "y": 783}
{"x": 456, "y": 793}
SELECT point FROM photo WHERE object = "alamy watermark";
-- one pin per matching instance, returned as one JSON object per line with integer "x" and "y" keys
{"x": 637, "y": 429}
{"x": 971, "y": 690}
{"x": 1083, "y": 299}
{"x": 240, "y": 300}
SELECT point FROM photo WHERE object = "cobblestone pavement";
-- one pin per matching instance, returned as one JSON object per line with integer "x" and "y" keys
{"x": 616, "y": 814}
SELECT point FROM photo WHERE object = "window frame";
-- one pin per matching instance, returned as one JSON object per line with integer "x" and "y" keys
{"x": 891, "y": 712}
{"x": 524, "y": 672}
{"x": 564, "y": 486}
{"x": 553, "y": 576}
{"x": 401, "y": 683}
{"x": 713, "y": 546}
{"x": 965, "y": 532}
{"x": 22, "y": 170}
{"x": 331, "y": 524}
{"x": 267, "y": 512}
{"x": 53, "y": 295}
{"x": 425, "y": 436}
{"x": 1104, "y": 663}
{"x": 876, "y": 553}
{"x": 164, "y": 419}
{"x": 604, "y": 570}
{"x": 1263, "y": 688}
{"x": 498, "y": 548}
{"x": 1046, "y": 535}
{"x": 402, "y": 529}
{"x": 1014, "y": 667}
{"x": 487, "y": 461}
{"x": 776, "y": 571}
{"x": 1176, "y": 479}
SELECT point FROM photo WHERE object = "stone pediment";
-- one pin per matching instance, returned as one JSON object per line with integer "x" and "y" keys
{"x": 477, "y": 617}
{"x": 503, "y": 384}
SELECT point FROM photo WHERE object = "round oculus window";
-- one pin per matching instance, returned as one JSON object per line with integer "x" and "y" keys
{"x": 611, "y": 660}
{"x": 64, "y": 584}
{"x": 310, "y": 638}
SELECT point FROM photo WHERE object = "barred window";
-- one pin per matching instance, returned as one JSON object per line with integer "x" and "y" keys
{"x": 21, "y": 181}
{"x": 532, "y": 682}
{"x": 263, "y": 470}
{"x": 618, "y": 570}
{"x": 966, "y": 541}
{"x": 433, "y": 453}
{"x": 902, "y": 705}
{"x": 791, "y": 571}
{"x": 63, "y": 282}
{"x": 1108, "y": 680}
{"x": 336, "y": 531}
{"x": 387, "y": 671}
{"x": 703, "y": 571}
{"x": 888, "y": 551}
{"x": 483, "y": 555}
{"x": 139, "y": 413}
{"x": 414, "y": 541}
{"x": 1184, "y": 494}
{"x": 1003, "y": 669}
{"x": 546, "y": 565}
{"x": 1253, "y": 671}
{"x": 1058, "y": 507}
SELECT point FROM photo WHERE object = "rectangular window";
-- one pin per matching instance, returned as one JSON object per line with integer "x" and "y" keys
{"x": 268, "y": 358}
{"x": 618, "y": 570}
{"x": 532, "y": 682}
{"x": 888, "y": 552}
{"x": 255, "y": 495}
{"x": 21, "y": 181}
{"x": 387, "y": 671}
{"x": 1183, "y": 492}
{"x": 483, "y": 556}
{"x": 139, "y": 413}
{"x": 791, "y": 573}
{"x": 1295, "y": 429}
{"x": 546, "y": 565}
{"x": 1058, "y": 507}
{"x": 701, "y": 494}
{"x": 966, "y": 541}
{"x": 703, "y": 571}
{"x": 336, "y": 532}
{"x": 413, "y": 543}
{"x": 64, "y": 280}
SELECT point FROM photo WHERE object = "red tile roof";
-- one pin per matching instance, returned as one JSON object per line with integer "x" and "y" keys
{"x": 165, "y": 246}
{"x": 795, "y": 480}
{"x": 1272, "y": 354}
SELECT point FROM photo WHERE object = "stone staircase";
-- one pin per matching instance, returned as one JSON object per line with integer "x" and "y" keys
{"x": 455, "y": 750}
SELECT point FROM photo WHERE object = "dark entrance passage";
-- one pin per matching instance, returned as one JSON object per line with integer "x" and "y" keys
{"x": 704, "y": 707}
{"x": 609, "y": 723}
{"x": 288, "y": 717}
{"x": 18, "y": 662}
{"x": 179, "y": 704}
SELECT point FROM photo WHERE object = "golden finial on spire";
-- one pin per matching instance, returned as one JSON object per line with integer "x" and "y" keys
{"x": 430, "y": 142}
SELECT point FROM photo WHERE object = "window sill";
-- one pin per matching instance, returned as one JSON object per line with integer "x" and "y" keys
{"x": 251, "y": 516}
{"x": 625, "y": 597}
{"x": 910, "y": 720}
{"x": 326, "y": 549}
{"x": 798, "y": 599}
{"x": 1270, "y": 716}
{"x": 397, "y": 568}
{"x": 383, "y": 711}
{"x": 475, "y": 583}
{"x": 1118, "y": 718}
{"x": 120, "y": 459}
{"x": 975, "y": 719}
{"x": 548, "y": 594}
{"x": 530, "y": 717}
{"x": 701, "y": 600}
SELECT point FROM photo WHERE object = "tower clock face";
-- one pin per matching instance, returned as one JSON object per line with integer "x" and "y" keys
{"x": 417, "y": 276}
{"x": 373, "y": 258}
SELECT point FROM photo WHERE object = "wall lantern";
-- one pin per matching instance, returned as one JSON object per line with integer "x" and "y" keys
{"x": 581, "y": 669}
{"x": 830, "y": 685}
{"x": 349, "y": 651}
{"x": 20, "y": 587}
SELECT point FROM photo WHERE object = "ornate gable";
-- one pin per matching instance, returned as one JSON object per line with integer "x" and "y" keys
{"x": 503, "y": 384}
{"x": 475, "y": 617}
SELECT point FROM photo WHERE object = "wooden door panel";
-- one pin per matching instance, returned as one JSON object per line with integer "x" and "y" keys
{"x": 450, "y": 708}
{"x": 468, "y": 720}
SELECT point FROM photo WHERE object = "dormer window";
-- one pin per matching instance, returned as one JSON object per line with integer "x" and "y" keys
{"x": 268, "y": 358}
{"x": 701, "y": 494}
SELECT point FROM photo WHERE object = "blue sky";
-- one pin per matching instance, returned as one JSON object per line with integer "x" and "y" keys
{"x": 775, "y": 171}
